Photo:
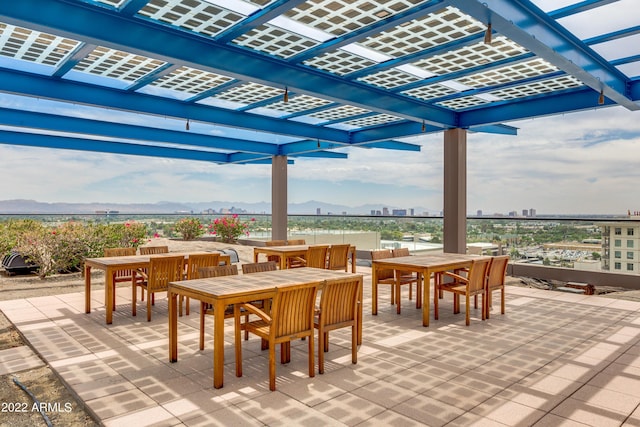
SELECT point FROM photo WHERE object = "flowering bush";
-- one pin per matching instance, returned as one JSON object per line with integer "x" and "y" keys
{"x": 229, "y": 228}
{"x": 189, "y": 228}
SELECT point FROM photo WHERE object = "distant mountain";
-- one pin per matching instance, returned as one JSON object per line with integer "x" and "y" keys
{"x": 23, "y": 206}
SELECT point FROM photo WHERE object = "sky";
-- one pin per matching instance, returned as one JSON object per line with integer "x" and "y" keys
{"x": 578, "y": 163}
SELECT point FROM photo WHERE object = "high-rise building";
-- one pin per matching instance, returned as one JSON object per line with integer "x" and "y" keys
{"x": 479, "y": 212}
{"x": 318, "y": 211}
{"x": 525, "y": 212}
{"x": 621, "y": 247}
{"x": 532, "y": 212}
{"x": 385, "y": 211}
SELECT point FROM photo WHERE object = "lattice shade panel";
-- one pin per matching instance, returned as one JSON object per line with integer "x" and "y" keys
{"x": 338, "y": 113}
{"x": 468, "y": 57}
{"x": 374, "y": 120}
{"x": 190, "y": 80}
{"x": 430, "y": 92}
{"x": 249, "y": 93}
{"x": 340, "y": 62}
{"x": 537, "y": 88}
{"x": 276, "y": 41}
{"x": 339, "y": 17}
{"x": 510, "y": 73}
{"x": 390, "y": 79}
{"x": 193, "y": 15}
{"x": 444, "y": 26}
{"x": 462, "y": 103}
{"x": 34, "y": 46}
{"x": 116, "y": 64}
{"x": 298, "y": 104}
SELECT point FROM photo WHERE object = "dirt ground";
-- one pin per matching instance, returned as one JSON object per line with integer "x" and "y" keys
{"x": 16, "y": 406}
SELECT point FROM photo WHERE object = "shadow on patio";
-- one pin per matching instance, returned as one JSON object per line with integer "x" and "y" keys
{"x": 553, "y": 359}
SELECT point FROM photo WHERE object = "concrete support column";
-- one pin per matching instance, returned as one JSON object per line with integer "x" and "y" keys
{"x": 279, "y": 198}
{"x": 455, "y": 191}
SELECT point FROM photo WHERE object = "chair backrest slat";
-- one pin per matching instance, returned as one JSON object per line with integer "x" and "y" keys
{"x": 497, "y": 271}
{"x": 256, "y": 267}
{"x": 382, "y": 254}
{"x": 119, "y": 251}
{"x": 153, "y": 250}
{"x": 275, "y": 243}
{"x": 478, "y": 274}
{"x": 163, "y": 270}
{"x": 196, "y": 261}
{"x": 317, "y": 256}
{"x": 296, "y": 242}
{"x": 292, "y": 310}
{"x": 339, "y": 301}
{"x": 218, "y": 271}
{"x": 339, "y": 257}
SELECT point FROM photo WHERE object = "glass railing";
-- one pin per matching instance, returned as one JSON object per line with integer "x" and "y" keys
{"x": 549, "y": 241}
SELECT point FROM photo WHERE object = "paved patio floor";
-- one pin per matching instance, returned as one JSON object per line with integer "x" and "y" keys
{"x": 553, "y": 359}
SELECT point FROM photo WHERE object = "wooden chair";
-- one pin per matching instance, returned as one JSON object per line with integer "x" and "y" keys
{"x": 194, "y": 262}
{"x": 162, "y": 270}
{"x": 291, "y": 318}
{"x": 385, "y": 276}
{"x": 408, "y": 277}
{"x": 316, "y": 256}
{"x": 216, "y": 271}
{"x": 154, "y": 250}
{"x": 338, "y": 309}
{"x": 296, "y": 242}
{"x": 473, "y": 284}
{"x": 297, "y": 261}
{"x": 274, "y": 258}
{"x": 495, "y": 281}
{"x": 256, "y": 267}
{"x": 120, "y": 275}
{"x": 339, "y": 257}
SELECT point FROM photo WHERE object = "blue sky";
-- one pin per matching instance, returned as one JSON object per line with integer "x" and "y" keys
{"x": 579, "y": 163}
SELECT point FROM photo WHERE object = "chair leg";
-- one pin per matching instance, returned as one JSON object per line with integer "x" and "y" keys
{"x": 321, "y": 348}
{"x": 398, "y": 296}
{"x": 312, "y": 364}
{"x": 502, "y": 300}
{"x": 149, "y": 302}
{"x": 272, "y": 367}
{"x": 134, "y": 296}
{"x": 436, "y": 290}
{"x": 467, "y": 309}
{"x": 180, "y": 300}
{"x": 238, "y": 342}
{"x": 354, "y": 344}
{"x": 202, "y": 314}
{"x": 186, "y": 308}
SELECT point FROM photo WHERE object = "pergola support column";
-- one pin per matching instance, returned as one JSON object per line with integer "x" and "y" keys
{"x": 455, "y": 191}
{"x": 279, "y": 198}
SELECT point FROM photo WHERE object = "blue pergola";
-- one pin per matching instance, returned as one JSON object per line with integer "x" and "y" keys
{"x": 307, "y": 77}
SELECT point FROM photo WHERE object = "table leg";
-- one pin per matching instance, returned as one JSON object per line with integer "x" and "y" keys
{"x": 87, "y": 289}
{"x": 353, "y": 261}
{"x": 218, "y": 344}
{"x": 255, "y": 256}
{"x": 426, "y": 279}
{"x": 108, "y": 292}
{"x": 173, "y": 327}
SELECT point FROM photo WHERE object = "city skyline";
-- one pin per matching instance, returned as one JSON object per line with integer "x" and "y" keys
{"x": 579, "y": 163}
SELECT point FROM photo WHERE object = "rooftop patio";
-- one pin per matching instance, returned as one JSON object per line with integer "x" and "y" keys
{"x": 552, "y": 359}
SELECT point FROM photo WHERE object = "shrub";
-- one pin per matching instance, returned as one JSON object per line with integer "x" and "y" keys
{"x": 189, "y": 228}
{"x": 228, "y": 229}
{"x": 11, "y": 230}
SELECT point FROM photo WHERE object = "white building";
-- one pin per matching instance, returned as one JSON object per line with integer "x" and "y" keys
{"x": 621, "y": 247}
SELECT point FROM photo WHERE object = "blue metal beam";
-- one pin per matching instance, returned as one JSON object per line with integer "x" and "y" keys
{"x": 57, "y": 123}
{"x": 583, "y": 6}
{"x": 96, "y": 25}
{"x": 525, "y": 24}
{"x": 69, "y": 91}
{"x": 82, "y": 144}
{"x": 584, "y": 99}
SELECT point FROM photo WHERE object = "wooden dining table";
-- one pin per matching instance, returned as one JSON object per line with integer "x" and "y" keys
{"x": 112, "y": 264}
{"x": 292, "y": 251}
{"x": 424, "y": 266}
{"x": 223, "y": 291}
